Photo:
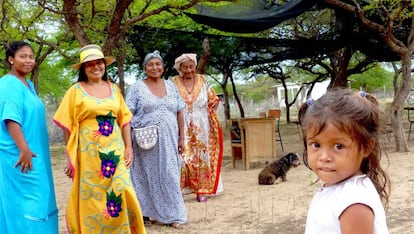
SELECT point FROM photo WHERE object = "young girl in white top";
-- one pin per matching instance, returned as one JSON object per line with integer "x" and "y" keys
{"x": 342, "y": 148}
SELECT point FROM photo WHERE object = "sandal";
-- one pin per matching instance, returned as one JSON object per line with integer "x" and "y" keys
{"x": 201, "y": 198}
{"x": 176, "y": 225}
{"x": 147, "y": 223}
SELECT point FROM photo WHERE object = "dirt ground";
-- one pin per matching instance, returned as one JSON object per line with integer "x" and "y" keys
{"x": 246, "y": 207}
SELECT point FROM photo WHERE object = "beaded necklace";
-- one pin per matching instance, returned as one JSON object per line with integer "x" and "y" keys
{"x": 190, "y": 98}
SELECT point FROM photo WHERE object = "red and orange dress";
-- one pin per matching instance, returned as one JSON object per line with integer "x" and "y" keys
{"x": 203, "y": 153}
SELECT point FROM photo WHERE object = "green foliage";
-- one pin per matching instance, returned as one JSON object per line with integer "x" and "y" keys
{"x": 54, "y": 79}
{"x": 374, "y": 78}
{"x": 379, "y": 7}
{"x": 26, "y": 20}
{"x": 257, "y": 89}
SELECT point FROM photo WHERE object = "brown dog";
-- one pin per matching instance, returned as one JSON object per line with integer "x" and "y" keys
{"x": 278, "y": 168}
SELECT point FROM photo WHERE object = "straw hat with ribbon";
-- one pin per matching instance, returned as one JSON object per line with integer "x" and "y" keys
{"x": 90, "y": 53}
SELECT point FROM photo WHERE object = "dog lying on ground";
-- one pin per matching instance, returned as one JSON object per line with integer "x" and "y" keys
{"x": 278, "y": 168}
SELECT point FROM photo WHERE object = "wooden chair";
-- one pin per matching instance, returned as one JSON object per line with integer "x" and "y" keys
{"x": 237, "y": 142}
{"x": 279, "y": 137}
{"x": 275, "y": 113}
{"x": 410, "y": 120}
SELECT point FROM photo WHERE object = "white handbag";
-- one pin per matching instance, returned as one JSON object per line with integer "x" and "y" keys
{"x": 147, "y": 137}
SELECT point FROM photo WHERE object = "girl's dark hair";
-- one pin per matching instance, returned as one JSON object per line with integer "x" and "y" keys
{"x": 14, "y": 47}
{"x": 82, "y": 75}
{"x": 359, "y": 117}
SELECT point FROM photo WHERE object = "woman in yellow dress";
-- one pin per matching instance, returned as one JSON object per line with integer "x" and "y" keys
{"x": 96, "y": 125}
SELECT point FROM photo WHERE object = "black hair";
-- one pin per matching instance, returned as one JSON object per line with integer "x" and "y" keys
{"x": 14, "y": 47}
{"x": 82, "y": 75}
{"x": 356, "y": 115}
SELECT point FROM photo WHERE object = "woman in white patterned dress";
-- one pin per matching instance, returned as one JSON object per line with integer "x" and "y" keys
{"x": 203, "y": 139}
{"x": 156, "y": 172}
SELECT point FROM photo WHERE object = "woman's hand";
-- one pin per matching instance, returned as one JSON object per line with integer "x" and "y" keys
{"x": 25, "y": 161}
{"x": 25, "y": 157}
{"x": 129, "y": 156}
{"x": 180, "y": 145}
{"x": 180, "y": 120}
{"x": 69, "y": 170}
{"x": 213, "y": 105}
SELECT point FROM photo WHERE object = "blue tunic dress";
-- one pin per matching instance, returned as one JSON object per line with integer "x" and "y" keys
{"x": 27, "y": 200}
{"x": 156, "y": 172}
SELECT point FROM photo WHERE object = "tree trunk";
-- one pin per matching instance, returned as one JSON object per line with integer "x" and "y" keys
{"x": 71, "y": 18}
{"x": 236, "y": 96}
{"x": 121, "y": 73}
{"x": 35, "y": 77}
{"x": 398, "y": 104}
{"x": 286, "y": 100}
{"x": 121, "y": 60}
{"x": 226, "y": 105}
{"x": 202, "y": 62}
{"x": 291, "y": 103}
{"x": 343, "y": 57}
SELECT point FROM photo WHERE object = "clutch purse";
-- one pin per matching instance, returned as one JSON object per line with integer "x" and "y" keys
{"x": 147, "y": 137}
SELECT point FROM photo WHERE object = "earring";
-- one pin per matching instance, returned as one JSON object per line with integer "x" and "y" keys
{"x": 11, "y": 63}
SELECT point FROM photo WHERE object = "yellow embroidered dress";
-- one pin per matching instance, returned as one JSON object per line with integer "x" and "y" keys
{"x": 102, "y": 198}
{"x": 203, "y": 139}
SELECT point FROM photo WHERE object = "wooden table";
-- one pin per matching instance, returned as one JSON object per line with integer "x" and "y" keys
{"x": 259, "y": 134}
{"x": 409, "y": 108}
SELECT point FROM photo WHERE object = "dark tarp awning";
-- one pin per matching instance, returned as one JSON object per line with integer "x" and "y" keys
{"x": 255, "y": 17}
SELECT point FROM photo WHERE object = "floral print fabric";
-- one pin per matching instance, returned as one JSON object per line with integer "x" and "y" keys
{"x": 203, "y": 139}
{"x": 102, "y": 198}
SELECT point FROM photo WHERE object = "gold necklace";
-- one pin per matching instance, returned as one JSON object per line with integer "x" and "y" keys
{"x": 190, "y": 98}
{"x": 189, "y": 90}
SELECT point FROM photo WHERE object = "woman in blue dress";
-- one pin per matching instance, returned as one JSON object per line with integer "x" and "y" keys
{"x": 27, "y": 195}
{"x": 156, "y": 172}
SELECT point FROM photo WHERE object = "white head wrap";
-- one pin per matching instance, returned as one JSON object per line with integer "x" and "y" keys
{"x": 184, "y": 58}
